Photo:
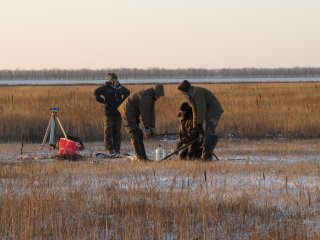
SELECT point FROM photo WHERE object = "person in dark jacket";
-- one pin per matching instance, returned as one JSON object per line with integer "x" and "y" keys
{"x": 206, "y": 109}
{"x": 141, "y": 106}
{"x": 111, "y": 95}
{"x": 186, "y": 134}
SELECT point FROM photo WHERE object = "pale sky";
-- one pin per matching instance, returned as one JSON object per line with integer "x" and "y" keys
{"x": 73, "y": 34}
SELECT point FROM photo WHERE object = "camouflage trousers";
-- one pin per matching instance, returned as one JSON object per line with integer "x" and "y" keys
{"x": 192, "y": 152}
{"x": 112, "y": 133}
{"x": 210, "y": 139}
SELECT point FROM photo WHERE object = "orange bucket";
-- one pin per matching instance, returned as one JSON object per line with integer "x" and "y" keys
{"x": 68, "y": 147}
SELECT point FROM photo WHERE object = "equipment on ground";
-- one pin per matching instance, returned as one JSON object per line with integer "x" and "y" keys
{"x": 182, "y": 148}
{"x": 179, "y": 149}
{"x": 52, "y": 127}
{"x": 67, "y": 146}
{"x": 159, "y": 153}
{"x": 215, "y": 156}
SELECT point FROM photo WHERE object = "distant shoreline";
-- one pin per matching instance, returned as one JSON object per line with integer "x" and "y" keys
{"x": 21, "y": 82}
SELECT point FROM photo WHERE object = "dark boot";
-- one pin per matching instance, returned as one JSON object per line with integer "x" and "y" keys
{"x": 209, "y": 145}
{"x": 136, "y": 143}
{"x": 215, "y": 139}
{"x": 142, "y": 148}
{"x": 108, "y": 132}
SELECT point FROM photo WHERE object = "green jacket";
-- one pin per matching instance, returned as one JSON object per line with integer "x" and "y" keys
{"x": 140, "y": 105}
{"x": 204, "y": 105}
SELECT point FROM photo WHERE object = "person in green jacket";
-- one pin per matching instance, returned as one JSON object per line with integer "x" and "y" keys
{"x": 141, "y": 106}
{"x": 111, "y": 95}
{"x": 206, "y": 110}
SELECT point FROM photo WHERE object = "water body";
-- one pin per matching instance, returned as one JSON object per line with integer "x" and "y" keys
{"x": 22, "y": 82}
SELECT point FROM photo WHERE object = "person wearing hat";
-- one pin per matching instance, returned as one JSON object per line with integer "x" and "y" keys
{"x": 206, "y": 110}
{"x": 141, "y": 106}
{"x": 111, "y": 95}
{"x": 186, "y": 134}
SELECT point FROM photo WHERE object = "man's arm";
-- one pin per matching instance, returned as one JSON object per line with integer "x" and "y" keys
{"x": 125, "y": 93}
{"x": 98, "y": 93}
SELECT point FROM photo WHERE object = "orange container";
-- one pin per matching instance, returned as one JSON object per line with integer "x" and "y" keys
{"x": 68, "y": 147}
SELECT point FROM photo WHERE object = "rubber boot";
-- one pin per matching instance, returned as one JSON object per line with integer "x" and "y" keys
{"x": 136, "y": 143}
{"x": 215, "y": 139}
{"x": 142, "y": 148}
{"x": 209, "y": 145}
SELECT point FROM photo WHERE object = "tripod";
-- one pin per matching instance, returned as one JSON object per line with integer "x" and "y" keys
{"x": 52, "y": 126}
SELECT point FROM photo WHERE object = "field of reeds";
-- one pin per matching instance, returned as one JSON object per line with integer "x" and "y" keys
{"x": 256, "y": 110}
{"x": 254, "y": 198}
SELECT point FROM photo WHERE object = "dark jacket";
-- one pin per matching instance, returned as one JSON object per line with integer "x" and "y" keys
{"x": 204, "y": 105}
{"x": 141, "y": 104}
{"x": 111, "y": 97}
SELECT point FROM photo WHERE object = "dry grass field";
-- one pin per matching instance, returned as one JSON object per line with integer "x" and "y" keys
{"x": 255, "y": 110}
{"x": 273, "y": 193}
{"x": 264, "y": 186}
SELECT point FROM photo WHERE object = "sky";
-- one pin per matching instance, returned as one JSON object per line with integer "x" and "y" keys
{"x": 95, "y": 34}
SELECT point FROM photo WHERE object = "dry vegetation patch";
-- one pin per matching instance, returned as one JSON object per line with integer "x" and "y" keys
{"x": 255, "y": 110}
{"x": 231, "y": 199}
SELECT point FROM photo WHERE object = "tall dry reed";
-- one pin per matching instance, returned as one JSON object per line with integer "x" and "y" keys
{"x": 251, "y": 110}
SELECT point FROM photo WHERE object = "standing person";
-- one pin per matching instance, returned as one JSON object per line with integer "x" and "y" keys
{"x": 111, "y": 95}
{"x": 141, "y": 105}
{"x": 206, "y": 109}
{"x": 186, "y": 134}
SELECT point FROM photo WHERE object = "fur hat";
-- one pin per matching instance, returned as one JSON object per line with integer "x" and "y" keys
{"x": 184, "y": 86}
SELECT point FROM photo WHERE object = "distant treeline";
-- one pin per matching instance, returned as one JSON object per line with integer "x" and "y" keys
{"x": 160, "y": 73}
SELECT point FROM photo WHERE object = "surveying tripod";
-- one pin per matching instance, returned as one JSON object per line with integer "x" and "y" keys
{"x": 52, "y": 126}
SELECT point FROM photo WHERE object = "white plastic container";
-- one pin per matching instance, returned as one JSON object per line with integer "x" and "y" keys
{"x": 159, "y": 153}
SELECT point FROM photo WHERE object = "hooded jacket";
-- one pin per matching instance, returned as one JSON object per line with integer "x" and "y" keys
{"x": 141, "y": 105}
{"x": 112, "y": 97}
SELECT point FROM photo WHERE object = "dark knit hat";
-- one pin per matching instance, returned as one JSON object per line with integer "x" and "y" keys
{"x": 184, "y": 106}
{"x": 158, "y": 90}
{"x": 184, "y": 86}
